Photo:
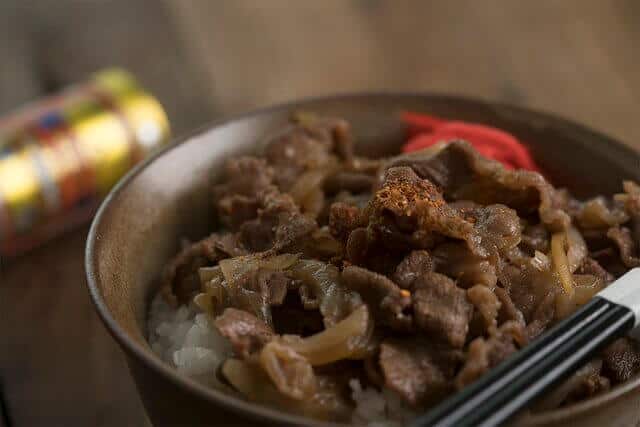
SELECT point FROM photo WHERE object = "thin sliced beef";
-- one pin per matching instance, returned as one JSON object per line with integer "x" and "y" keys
{"x": 343, "y": 219}
{"x": 416, "y": 274}
{"x": 280, "y": 227}
{"x": 508, "y": 310}
{"x": 589, "y": 386}
{"x": 357, "y": 200}
{"x": 293, "y": 153}
{"x": 542, "y": 317}
{"x": 457, "y": 261}
{"x": 343, "y": 141}
{"x": 535, "y": 238}
{"x": 408, "y": 211}
{"x": 499, "y": 228}
{"x": 247, "y": 333}
{"x": 621, "y": 360}
{"x": 365, "y": 248}
{"x": 413, "y": 266}
{"x": 464, "y": 174}
{"x": 236, "y": 197}
{"x": 441, "y": 309}
{"x": 388, "y": 303}
{"x": 245, "y": 176}
{"x": 486, "y": 304}
{"x": 304, "y": 146}
{"x": 483, "y": 354}
{"x": 528, "y": 286}
{"x": 593, "y": 267}
{"x": 235, "y": 210}
{"x": 584, "y": 383}
{"x": 353, "y": 182}
{"x": 180, "y": 279}
{"x": 357, "y": 246}
{"x": 419, "y": 372}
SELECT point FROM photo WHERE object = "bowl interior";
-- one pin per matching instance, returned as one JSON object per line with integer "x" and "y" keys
{"x": 138, "y": 228}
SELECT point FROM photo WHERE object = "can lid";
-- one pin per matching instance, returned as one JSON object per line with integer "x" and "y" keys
{"x": 116, "y": 81}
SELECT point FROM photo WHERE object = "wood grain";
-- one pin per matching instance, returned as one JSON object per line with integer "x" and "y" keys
{"x": 62, "y": 368}
{"x": 575, "y": 58}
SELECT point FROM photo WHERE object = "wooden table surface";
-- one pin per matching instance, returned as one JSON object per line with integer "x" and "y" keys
{"x": 58, "y": 366}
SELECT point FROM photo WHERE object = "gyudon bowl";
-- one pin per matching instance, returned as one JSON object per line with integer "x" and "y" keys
{"x": 167, "y": 199}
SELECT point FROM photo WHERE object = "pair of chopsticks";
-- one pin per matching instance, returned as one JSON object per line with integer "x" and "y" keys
{"x": 503, "y": 391}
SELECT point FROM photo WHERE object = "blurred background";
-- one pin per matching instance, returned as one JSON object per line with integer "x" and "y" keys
{"x": 207, "y": 59}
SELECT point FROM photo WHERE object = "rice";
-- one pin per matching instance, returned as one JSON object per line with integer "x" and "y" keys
{"x": 188, "y": 341}
{"x": 378, "y": 408}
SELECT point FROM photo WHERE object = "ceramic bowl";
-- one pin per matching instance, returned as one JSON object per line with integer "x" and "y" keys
{"x": 167, "y": 198}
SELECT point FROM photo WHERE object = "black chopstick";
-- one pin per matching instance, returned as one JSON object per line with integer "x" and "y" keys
{"x": 506, "y": 389}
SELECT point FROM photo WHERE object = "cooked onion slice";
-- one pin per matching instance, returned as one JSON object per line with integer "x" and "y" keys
{"x": 596, "y": 214}
{"x": 576, "y": 249}
{"x": 255, "y": 385}
{"x": 307, "y": 193}
{"x": 322, "y": 245}
{"x": 561, "y": 262}
{"x": 586, "y": 286}
{"x": 347, "y": 339}
{"x": 208, "y": 273}
{"x": 540, "y": 261}
{"x": 290, "y": 372}
{"x": 234, "y": 268}
{"x": 219, "y": 288}
{"x": 214, "y": 296}
{"x": 251, "y": 381}
{"x": 321, "y": 283}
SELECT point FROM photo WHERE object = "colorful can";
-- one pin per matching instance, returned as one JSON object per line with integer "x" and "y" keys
{"x": 59, "y": 157}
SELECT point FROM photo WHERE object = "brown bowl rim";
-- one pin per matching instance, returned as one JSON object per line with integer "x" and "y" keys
{"x": 255, "y": 411}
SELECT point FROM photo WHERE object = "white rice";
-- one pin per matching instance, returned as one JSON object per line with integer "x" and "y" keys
{"x": 379, "y": 408}
{"x": 188, "y": 341}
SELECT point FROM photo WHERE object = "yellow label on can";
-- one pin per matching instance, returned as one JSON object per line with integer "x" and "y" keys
{"x": 20, "y": 189}
{"x": 146, "y": 118}
{"x": 104, "y": 142}
{"x": 116, "y": 81}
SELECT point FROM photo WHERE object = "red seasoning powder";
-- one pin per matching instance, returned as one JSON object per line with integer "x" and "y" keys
{"x": 426, "y": 130}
